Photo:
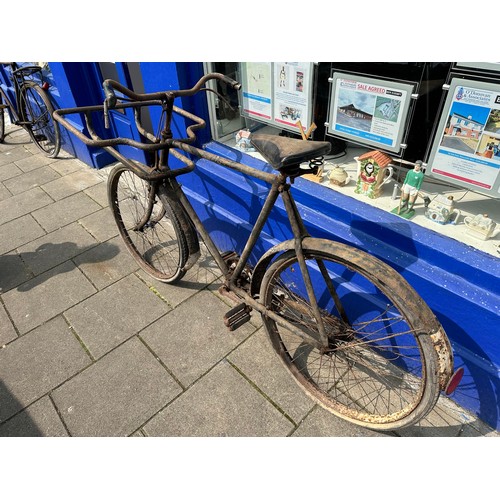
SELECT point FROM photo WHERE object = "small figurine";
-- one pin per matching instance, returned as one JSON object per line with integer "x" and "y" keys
{"x": 373, "y": 172}
{"x": 411, "y": 187}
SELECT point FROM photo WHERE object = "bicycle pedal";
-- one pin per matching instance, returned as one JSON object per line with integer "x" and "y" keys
{"x": 237, "y": 316}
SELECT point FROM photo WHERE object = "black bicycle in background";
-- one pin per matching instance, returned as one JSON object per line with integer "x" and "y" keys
{"x": 31, "y": 108}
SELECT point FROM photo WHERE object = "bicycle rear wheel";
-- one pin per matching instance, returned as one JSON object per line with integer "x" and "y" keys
{"x": 36, "y": 111}
{"x": 148, "y": 225}
{"x": 380, "y": 368}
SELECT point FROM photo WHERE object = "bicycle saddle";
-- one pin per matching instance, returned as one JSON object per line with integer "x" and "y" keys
{"x": 282, "y": 153}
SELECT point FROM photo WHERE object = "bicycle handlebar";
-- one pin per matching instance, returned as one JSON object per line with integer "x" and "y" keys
{"x": 96, "y": 141}
{"x": 109, "y": 87}
{"x": 138, "y": 101}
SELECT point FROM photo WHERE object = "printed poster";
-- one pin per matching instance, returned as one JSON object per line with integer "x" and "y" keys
{"x": 468, "y": 150}
{"x": 291, "y": 93}
{"x": 257, "y": 90}
{"x": 278, "y": 93}
{"x": 368, "y": 110}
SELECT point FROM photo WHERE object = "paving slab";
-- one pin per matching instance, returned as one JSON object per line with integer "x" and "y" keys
{"x": 4, "y": 192}
{"x": 7, "y": 144}
{"x": 117, "y": 394}
{"x": 106, "y": 263}
{"x": 196, "y": 279}
{"x": 72, "y": 183}
{"x": 203, "y": 275}
{"x": 57, "y": 247}
{"x": 13, "y": 271}
{"x": 39, "y": 419}
{"x": 100, "y": 224}
{"x": 7, "y": 330}
{"x": 65, "y": 211}
{"x": 99, "y": 192}
{"x": 67, "y": 166}
{"x": 9, "y": 171}
{"x": 222, "y": 403}
{"x": 47, "y": 295}
{"x": 115, "y": 314}
{"x": 18, "y": 232}
{"x": 192, "y": 338}
{"x": 33, "y": 161}
{"x": 36, "y": 363}
{"x": 15, "y": 154}
{"x": 257, "y": 360}
{"x": 30, "y": 180}
{"x": 22, "y": 204}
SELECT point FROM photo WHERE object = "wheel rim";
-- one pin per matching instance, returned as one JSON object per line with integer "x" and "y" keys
{"x": 148, "y": 231}
{"x": 373, "y": 372}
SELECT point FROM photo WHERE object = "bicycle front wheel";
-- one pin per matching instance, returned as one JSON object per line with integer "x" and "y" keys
{"x": 149, "y": 226}
{"x": 36, "y": 112}
{"x": 379, "y": 368}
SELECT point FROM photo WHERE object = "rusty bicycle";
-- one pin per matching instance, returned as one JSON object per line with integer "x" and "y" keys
{"x": 31, "y": 107}
{"x": 354, "y": 335}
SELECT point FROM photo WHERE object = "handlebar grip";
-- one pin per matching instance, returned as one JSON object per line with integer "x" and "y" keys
{"x": 233, "y": 83}
{"x": 109, "y": 92}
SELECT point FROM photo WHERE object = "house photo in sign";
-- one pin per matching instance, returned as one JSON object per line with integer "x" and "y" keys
{"x": 464, "y": 127}
{"x": 355, "y": 109}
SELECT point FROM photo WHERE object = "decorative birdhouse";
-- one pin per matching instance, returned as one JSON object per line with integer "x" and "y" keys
{"x": 373, "y": 172}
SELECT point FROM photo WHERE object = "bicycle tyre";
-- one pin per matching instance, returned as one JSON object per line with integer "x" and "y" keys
{"x": 158, "y": 245}
{"x": 36, "y": 108}
{"x": 380, "y": 370}
{"x": 2, "y": 121}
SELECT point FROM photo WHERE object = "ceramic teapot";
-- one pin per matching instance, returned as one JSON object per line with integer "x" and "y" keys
{"x": 338, "y": 176}
{"x": 480, "y": 226}
{"x": 442, "y": 210}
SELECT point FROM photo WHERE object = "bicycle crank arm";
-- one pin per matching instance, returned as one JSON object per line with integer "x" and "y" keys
{"x": 257, "y": 306}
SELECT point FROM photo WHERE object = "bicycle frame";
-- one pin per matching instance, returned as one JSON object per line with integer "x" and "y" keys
{"x": 166, "y": 145}
{"x": 279, "y": 187}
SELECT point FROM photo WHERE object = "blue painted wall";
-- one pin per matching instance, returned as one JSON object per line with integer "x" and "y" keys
{"x": 460, "y": 284}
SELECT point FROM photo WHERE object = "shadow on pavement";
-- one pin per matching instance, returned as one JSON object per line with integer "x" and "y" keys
{"x": 27, "y": 270}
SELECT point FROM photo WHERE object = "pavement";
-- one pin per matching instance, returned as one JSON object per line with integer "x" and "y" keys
{"x": 91, "y": 346}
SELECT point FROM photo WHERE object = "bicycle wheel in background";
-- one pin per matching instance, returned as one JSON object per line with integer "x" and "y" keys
{"x": 149, "y": 226}
{"x": 2, "y": 121}
{"x": 36, "y": 109}
{"x": 380, "y": 369}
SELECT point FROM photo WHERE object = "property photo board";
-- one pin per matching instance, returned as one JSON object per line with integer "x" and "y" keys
{"x": 466, "y": 147}
{"x": 369, "y": 111}
{"x": 278, "y": 93}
